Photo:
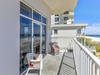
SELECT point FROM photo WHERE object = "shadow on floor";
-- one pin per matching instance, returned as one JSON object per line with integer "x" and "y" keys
{"x": 67, "y": 66}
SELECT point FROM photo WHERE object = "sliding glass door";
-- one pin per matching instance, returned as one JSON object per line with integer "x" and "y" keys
{"x": 25, "y": 40}
{"x": 43, "y": 39}
{"x": 36, "y": 42}
{"x": 32, "y": 33}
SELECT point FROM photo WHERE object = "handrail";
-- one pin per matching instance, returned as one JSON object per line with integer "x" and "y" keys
{"x": 95, "y": 59}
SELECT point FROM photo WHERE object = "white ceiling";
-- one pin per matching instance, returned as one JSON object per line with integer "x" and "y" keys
{"x": 60, "y": 6}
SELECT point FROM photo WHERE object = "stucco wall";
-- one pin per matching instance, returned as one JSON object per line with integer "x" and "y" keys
{"x": 9, "y": 37}
{"x": 10, "y": 33}
{"x": 65, "y": 32}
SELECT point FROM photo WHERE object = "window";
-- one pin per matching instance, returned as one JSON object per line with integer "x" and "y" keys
{"x": 30, "y": 38}
{"x": 65, "y": 23}
{"x": 36, "y": 38}
{"x": 25, "y": 40}
{"x": 57, "y": 15}
{"x": 25, "y": 10}
{"x": 55, "y": 31}
{"x": 56, "y": 23}
{"x": 43, "y": 20}
{"x": 57, "y": 19}
{"x": 43, "y": 38}
{"x": 67, "y": 12}
{"x": 65, "y": 18}
{"x": 36, "y": 16}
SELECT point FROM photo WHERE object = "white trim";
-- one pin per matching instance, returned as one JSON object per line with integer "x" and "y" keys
{"x": 23, "y": 1}
{"x": 32, "y": 34}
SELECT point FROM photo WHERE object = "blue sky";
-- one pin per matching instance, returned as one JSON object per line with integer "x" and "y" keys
{"x": 88, "y": 11}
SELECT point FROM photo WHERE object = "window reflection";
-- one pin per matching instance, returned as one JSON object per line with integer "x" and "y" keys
{"x": 43, "y": 20}
{"x": 25, "y": 40}
{"x": 36, "y": 38}
{"x": 25, "y": 10}
{"x": 43, "y": 38}
{"x": 36, "y": 16}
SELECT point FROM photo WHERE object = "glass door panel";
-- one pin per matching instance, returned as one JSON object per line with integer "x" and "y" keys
{"x": 36, "y": 43}
{"x": 43, "y": 39}
{"x": 25, "y": 41}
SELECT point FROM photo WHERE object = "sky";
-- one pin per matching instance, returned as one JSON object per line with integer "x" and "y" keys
{"x": 88, "y": 12}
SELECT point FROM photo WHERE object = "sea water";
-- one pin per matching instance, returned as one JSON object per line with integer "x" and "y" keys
{"x": 98, "y": 36}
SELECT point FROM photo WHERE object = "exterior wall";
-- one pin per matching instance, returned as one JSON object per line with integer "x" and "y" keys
{"x": 10, "y": 33}
{"x": 41, "y": 7}
{"x": 9, "y": 37}
{"x": 65, "y": 32}
{"x": 52, "y": 19}
{"x": 64, "y": 37}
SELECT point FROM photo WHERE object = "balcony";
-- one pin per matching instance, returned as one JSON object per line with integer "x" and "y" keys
{"x": 80, "y": 61}
{"x": 86, "y": 63}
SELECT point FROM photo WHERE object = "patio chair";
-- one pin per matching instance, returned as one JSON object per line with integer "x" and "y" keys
{"x": 54, "y": 48}
{"x": 34, "y": 64}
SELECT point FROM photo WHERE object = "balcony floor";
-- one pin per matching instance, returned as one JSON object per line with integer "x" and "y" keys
{"x": 67, "y": 66}
{"x": 62, "y": 64}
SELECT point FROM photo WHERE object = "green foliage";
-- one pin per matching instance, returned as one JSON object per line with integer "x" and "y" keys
{"x": 94, "y": 44}
{"x": 88, "y": 41}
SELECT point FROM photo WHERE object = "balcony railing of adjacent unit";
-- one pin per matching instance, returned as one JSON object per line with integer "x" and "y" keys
{"x": 86, "y": 63}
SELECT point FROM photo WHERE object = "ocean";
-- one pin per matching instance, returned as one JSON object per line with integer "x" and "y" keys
{"x": 98, "y": 36}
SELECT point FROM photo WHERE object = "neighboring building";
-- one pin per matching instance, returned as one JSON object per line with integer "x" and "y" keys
{"x": 63, "y": 34}
{"x": 62, "y": 25}
{"x": 64, "y": 18}
{"x": 24, "y": 26}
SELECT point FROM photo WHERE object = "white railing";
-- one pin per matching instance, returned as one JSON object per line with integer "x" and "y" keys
{"x": 86, "y": 62}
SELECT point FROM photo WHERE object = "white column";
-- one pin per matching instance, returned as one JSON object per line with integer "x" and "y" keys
{"x": 84, "y": 35}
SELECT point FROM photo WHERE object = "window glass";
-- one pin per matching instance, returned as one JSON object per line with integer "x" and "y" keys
{"x": 56, "y": 23}
{"x": 65, "y": 18}
{"x": 43, "y": 38}
{"x": 57, "y": 15}
{"x": 25, "y": 41}
{"x": 43, "y": 20}
{"x": 36, "y": 38}
{"x": 25, "y": 10}
{"x": 55, "y": 31}
{"x": 57, "y": 19}
{"x": 36, "y": 16}
{"x": 67, "y": 12}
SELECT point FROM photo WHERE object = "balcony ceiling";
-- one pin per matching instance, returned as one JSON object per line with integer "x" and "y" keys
{"x": 60, "y": 6}
{"x": 73, "y": 26}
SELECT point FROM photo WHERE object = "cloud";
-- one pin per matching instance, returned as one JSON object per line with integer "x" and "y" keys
{"x": 93, "y": 29}
{"x": 96, "y": 24}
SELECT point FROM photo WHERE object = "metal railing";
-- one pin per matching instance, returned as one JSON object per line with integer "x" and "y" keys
{"x": 86, "y": 62}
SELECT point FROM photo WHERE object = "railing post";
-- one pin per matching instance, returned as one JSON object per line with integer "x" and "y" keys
{"x": 93, "y": 68}
{"x": 88, "y": 70}
{"x": 90, "y": 67}
{"x": 97, "y": 70}
{"x": 82, "y": 62}
{"x": 86, "y": 65}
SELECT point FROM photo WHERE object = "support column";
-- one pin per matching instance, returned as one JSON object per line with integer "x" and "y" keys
{"x": 84, "y": 36}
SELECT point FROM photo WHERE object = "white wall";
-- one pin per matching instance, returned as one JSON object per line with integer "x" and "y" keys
{"x": 41, "y": 7}
{"x": 10, "y": 33}
{"x": 9, "y": 37}
{"x": 52, "y": 19}
{"x": 65, "y": 32}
